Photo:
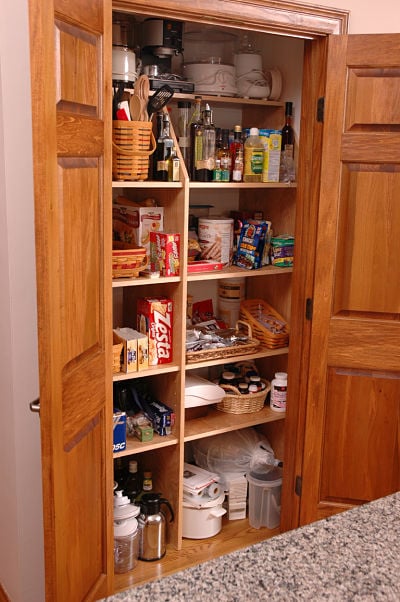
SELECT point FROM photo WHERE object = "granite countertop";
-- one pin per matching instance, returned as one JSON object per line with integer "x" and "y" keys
{"x": 354, "y": 555}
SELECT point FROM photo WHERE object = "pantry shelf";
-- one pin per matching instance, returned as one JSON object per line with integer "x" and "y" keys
{"x": 235, "y": 272}
{"x": 134, "y": 446}
{"x": 238, "y": 185}
{"x": 216, "y": 422}
{"x": 264, "y": 352}
{"x": 160, "y": 369}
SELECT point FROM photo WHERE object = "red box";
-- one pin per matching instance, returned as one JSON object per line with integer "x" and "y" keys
{"x": 155, "y": 318}
{"x": 165, "y": 253}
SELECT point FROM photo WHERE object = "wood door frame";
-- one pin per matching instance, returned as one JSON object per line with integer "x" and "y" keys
{"x": 266, "y": 16}
{"x": 315, "y": 24}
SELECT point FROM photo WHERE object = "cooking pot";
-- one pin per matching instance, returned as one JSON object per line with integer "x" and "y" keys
{"x": 202, "y": 519}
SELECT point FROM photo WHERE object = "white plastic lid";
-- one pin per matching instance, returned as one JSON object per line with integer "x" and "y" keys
{"x": 123, "y": 528}
{"x": 254, "y": 131}
{"x": 281, "y": 375}
{"x": 123, "y": 509}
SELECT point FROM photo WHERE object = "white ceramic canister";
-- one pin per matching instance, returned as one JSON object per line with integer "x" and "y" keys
{"x": 279, "y": 392}
{"x": 125, "y": 68}
{"x": 202, "y": 520}
{"x": 216, "y": 238}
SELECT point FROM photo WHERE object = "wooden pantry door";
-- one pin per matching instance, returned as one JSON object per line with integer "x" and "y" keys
{"x": 71, "y": 104}
{"x": 351, "y": 447}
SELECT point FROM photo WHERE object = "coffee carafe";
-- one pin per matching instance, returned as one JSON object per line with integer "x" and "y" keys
{"x": 152, "y": 525}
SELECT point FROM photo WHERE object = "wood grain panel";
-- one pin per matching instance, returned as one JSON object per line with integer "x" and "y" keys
{"x": 368, "y": 105}
{"x": 388, "y": 143}
{"x": 71, "y": 145}
{"x": 360, "y": 458}
{"x": 77, "y": 56}
{"x": 89, "y": 13}
{"x": 367, "y": 343}
{"x": 80, "y": 260}
{"x": 367, "y": 276}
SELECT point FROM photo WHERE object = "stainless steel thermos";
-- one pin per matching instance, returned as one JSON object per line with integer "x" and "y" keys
{"x": 152, "y": 526}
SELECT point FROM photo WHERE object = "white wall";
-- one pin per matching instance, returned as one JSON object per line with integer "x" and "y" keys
{"x": 21, "y": 527}
{"x": 368, "y": 17}
{"x": 21, "y": 540}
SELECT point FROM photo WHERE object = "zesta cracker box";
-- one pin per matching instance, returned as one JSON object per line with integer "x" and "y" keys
{"x": 155, "y": 318}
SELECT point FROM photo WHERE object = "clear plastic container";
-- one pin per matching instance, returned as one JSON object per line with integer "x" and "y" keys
{"x": 265, "y": 498}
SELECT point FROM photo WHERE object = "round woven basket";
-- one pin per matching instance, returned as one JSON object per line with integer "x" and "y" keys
{"x": 133, "y": 143}
{"x": 235, "y": 402}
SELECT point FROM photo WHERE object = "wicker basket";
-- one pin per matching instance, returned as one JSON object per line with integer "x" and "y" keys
{"x": 128, "y": 261}
{"x": 235, "y": 402}
{"x": 215, "y": 354}
{"x": 133, "y": 143}
{"x": 250, "y": 310}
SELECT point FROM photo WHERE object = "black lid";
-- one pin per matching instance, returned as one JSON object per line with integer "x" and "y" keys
{"x": 288, "y": 108}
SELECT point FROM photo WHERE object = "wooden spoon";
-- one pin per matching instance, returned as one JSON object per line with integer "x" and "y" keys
{"x": 135, "y": 107}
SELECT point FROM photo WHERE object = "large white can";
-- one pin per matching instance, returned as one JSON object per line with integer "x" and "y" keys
{"x": 216, "y": 239}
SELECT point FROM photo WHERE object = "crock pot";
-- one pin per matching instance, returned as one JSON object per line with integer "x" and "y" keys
{"x": 202, "y": 519}
{"x": 212, "y": 77}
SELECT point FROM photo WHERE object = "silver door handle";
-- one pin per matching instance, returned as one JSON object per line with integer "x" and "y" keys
{"x": 34, "y": 406}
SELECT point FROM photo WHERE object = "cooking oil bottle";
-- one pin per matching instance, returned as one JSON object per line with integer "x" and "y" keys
{"x": 253, "y": 157}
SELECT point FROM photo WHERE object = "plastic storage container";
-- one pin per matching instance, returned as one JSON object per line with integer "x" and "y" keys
{"x": 265, "y": 498}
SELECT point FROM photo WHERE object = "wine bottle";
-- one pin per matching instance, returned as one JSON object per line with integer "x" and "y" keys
{"x": 288, "y": 131}
{"x": 287, "y": 166}
{"x": 164, "y": 147}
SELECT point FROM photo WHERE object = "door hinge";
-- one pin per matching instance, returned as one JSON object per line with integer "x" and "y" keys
{"x": 320, "y": 109}
{"x": 309, "y": 309}
{"x": 298, "y": 485}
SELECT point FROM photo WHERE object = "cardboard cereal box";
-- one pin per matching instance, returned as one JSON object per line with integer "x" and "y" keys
{"x": 133, "y": 224}
{"x": 155, "y": 318}
{"x": 165, "y": 253}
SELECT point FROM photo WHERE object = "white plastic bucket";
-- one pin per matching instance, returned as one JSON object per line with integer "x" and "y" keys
{"x": 216, "y": 238}
{"x": 229, "y": 311}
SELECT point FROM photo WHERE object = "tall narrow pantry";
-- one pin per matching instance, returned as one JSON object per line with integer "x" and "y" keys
{"x": 165, "y": 456}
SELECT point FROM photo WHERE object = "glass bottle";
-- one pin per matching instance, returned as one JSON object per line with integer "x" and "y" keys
{"x": 253, "y": 157}
{"x": 223, "y": 155}
{"x": 163, "y": 152}
{"x": 237, "y": 172}
{"x": 237, "y": 143}
{"x": 132, "y": 485}
{"x": 184, "y": 117}
{"x": 173, "y": 166}
{"x": 120, "y": 472}
{"x": 288, "y": 131}
{"x": 287, "y": 166}
{"x": 205, "y": 148}
{"x": 195, "y": 124}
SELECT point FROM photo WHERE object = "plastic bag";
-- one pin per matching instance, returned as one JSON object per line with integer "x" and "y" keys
{"x": 237, "y": 452}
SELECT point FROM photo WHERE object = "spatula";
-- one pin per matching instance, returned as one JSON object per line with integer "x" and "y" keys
{"x": 159, "y": 99}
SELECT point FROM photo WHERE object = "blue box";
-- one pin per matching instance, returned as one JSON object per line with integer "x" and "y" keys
{"x": 119, "y": 431}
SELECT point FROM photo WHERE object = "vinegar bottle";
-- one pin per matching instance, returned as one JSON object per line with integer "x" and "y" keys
{"x": 235, "y": 145}
{"x": 253, "y": 157}
{"x": 195, "y": 124}
{"x": 288, "y": 131}
{"x": 287, "y": 166}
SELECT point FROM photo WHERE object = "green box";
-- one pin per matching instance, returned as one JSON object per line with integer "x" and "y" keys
{"x": 144, "y": 433}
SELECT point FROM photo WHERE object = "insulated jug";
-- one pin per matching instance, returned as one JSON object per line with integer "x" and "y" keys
{"x": 152, "y": 525}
